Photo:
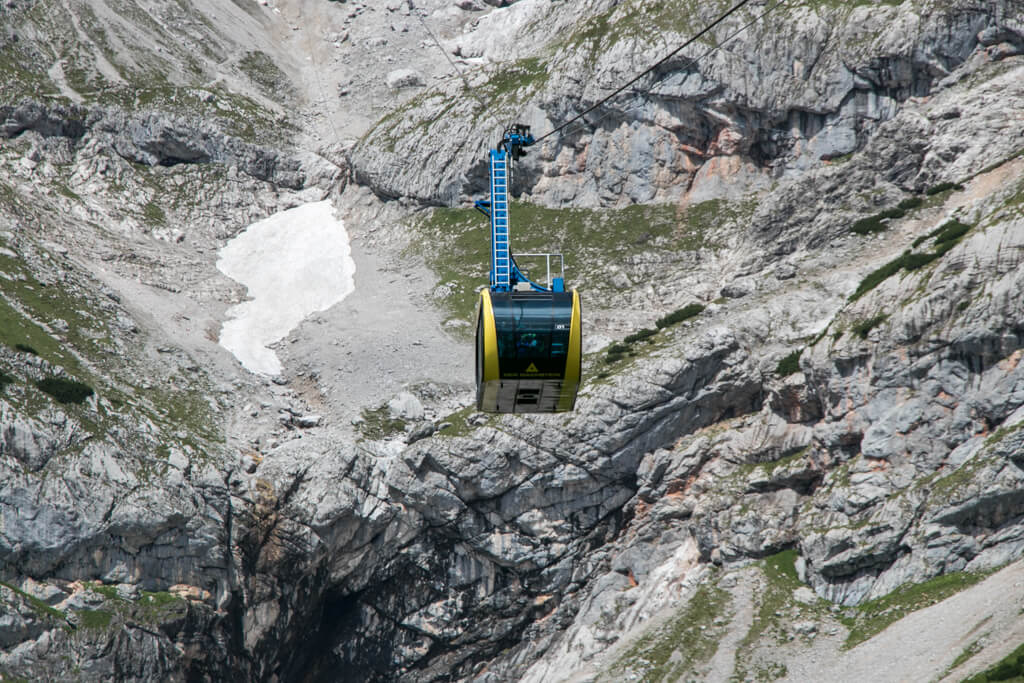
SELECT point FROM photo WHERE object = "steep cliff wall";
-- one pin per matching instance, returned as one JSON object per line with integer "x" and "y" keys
{"x": 833, "y": 435}
{"x": 796, "y": 87}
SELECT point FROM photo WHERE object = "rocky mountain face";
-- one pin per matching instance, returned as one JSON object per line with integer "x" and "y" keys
{"x": 822, "y": 441}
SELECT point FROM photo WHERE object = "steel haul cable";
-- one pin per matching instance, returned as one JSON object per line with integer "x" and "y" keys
{"x": 691, "y": 61}
{"x": 465, "y": 81}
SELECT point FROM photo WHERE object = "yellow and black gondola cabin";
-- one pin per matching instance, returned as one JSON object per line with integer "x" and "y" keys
{"x": 528, "y": 335}
{"x": 528, "y": 351}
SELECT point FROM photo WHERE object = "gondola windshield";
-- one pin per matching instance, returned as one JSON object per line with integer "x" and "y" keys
{"x": 532, "y": 331}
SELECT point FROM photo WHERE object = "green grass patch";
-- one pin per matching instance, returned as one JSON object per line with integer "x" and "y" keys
{"x": 968, "y": 652}
{"x": 640, "y": 335}
{"x": 780, "y": 568}
{"x": 877, "y": 277}
{"x": 153, "y": 214}
{"x": 697, "y": 220}
{"x": 789, "y": 364}
{"x": 186, "y": 412}
{"x": 848, "y": 4}
{"x": 160, "y": 599}
{"x": 945, "y": 488}
{"x": 773, "y": 603}
{"x": 678, "y": 316}
{"x": 38, "y": 606}
{"x": 874, "y": 616}
{"x": 15, "y": 327}
{"x": 943, "y": 187}
{"x": 863, "y": 327}
{"x": 65, "y": 390}
{"x": 94, "y": 619}
{"x": 53, "y": 35}
{"x": 689, "y": 638}
{"x": 80, "y": 329}
{"x": 459, "y": 422}
{"x": 639, "y": 21}
{"x": 1002, "y": 433}
{"x": 769, "y": 466}
{"x": 910, "y": 203}
{"x": 232, "y": 112}
{"x": 399, "y": 122}
{"x": 951, "y": 231}
{"x": 151, "y": 608}
{"x": 379, "y": 424}
{"x": 458, "y": 243}
{"x": 878, "y": 222}
{"x": 510, "y": 79}
{"x": 109, "y": 592}
{"x": 158, "y": 607}
{"x": 26, "y": 300}
{"x": 1010, "y": 668}
{"x": 262, "y": 71}
{"x": 946, "y": 236}
{"x": 5, "y": 379}
{"x": 18, "y": 82}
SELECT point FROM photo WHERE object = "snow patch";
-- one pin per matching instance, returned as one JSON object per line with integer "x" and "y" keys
{"x": 294, "y": 263}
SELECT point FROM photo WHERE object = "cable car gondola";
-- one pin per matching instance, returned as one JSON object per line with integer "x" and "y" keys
{"x": 528, "y": 351}
{"x": 528, "y": 336}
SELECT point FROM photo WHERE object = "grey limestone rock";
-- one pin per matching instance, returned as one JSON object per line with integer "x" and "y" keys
{"x": 523, "y": 547}
{"x": 155, "y": 138}
{"x": 842, "y": 75}
{"x": 407, "y": 406}
{"x": 403, "y": 78}
{"x": 308, "y": 421}
{"x": 28, "y": 441}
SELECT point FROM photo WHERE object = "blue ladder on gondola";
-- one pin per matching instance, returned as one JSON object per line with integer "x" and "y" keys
{"x": 501, "y": 265}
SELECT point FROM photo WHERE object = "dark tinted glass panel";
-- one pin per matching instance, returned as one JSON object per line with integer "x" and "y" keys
{"x": 479, "y": 347}
{"x": 533, "y": 326}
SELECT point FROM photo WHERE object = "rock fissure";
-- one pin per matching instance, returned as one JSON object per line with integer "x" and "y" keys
{"x": 532, "y": 549}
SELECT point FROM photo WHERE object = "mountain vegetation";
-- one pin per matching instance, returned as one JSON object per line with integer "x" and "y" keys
{"x": 798, "y": 451}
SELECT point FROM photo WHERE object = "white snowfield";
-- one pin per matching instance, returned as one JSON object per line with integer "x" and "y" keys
{"x": 294, "y": 263}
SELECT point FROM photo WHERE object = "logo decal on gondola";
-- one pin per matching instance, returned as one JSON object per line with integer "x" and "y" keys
{"x": 532, "y": 368}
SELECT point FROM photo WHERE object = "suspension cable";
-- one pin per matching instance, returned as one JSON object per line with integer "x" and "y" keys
{"x": 670, "y": 55}
{"x": 465, "y": 81}
{"x": 689, "y": 62}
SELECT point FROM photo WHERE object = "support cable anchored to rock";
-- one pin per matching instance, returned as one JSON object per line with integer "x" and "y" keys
{"x": 735, "y": 8}
{"x": 455, "y": 67}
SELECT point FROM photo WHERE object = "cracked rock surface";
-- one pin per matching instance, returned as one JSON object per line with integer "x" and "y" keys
{"x": 831, "y": 444}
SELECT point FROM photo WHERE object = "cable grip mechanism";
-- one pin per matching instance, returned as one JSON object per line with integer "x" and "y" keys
{"x": 514, "y": 139}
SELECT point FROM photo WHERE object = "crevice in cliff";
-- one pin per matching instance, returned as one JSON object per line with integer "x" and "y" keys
{"x": 152, "y": 139}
